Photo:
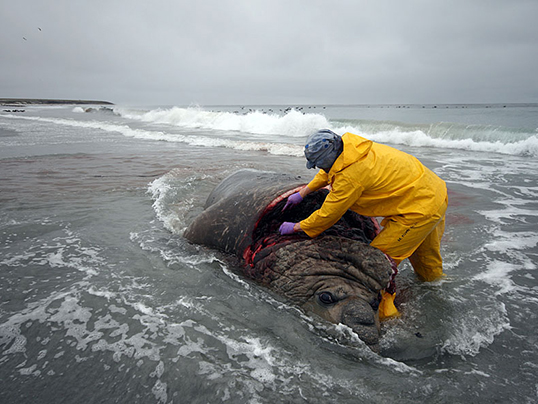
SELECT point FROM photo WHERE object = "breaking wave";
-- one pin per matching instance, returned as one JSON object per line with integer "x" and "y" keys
{"x": 284, "y": 132}
{"x": 296, "y": 124}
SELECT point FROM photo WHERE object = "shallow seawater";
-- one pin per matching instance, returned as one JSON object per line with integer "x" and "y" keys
{"x": 103, "y": 300}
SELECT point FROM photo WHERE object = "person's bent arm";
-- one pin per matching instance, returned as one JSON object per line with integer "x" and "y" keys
{"x": 304, "y": 191}
{"x": 339, "y": 200}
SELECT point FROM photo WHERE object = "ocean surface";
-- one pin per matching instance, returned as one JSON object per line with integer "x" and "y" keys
{"x": 102, "y": 300}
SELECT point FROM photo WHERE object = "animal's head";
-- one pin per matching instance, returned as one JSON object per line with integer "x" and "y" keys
{"x": 336, "y": 278}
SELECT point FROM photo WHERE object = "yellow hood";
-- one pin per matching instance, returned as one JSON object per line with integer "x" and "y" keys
{"x": 356, "y": 148}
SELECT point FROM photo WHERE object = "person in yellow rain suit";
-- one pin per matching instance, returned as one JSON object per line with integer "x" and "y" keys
{"x": 376, "y": 180}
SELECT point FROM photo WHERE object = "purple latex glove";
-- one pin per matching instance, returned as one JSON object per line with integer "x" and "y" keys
{"x": 286, "y": 228}
{"x": 293, "y": 200}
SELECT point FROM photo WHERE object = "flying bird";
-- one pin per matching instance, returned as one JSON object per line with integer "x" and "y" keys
{"x": 24, "y": 38}
{"x": 39, "y": 28}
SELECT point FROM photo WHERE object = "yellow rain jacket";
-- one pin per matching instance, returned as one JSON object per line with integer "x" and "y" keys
{"x": 378, "y": 181}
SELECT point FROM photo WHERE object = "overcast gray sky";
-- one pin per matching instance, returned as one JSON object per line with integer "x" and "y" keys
{"x": 274, "y": 51}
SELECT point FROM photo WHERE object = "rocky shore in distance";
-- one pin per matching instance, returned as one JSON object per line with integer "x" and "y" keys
{"x": 15, "y": 102}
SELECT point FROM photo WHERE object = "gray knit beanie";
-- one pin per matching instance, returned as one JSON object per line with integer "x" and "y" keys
{"x": 322, "y": 149}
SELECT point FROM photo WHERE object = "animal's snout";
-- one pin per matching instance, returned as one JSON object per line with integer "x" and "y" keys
{"x": 360, "y": 316}
{"x": 358, "y": 312}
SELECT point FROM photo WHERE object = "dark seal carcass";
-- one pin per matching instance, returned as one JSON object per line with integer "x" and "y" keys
{"x": 337, "y": 275}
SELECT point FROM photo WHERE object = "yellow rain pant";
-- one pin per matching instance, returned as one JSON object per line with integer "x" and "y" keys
{"x": 420, "y": 242}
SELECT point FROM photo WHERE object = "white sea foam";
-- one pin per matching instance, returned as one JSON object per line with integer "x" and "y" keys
{"x": 67, "y": 252}
{"x": 280, "y": 131}
{"x": 165, "y": 192}
{"x": 294, "y": 123}
{"x": 498, "y": 275}
{"x": 508, "y": 251}
{"x": 512, "y": 242}
{"x": 234, "y": 277}
{"x": 470, "y": 334}
{"x": 297, "y": 124}
{"x": 418, "y": 138}
{"x": 514, "y": 247}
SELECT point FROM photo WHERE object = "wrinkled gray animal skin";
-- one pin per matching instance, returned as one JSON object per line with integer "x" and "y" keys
{"x": 336, "y": 275}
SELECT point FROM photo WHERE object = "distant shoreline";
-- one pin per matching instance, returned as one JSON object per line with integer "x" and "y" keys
{"x": 44, "y": 101}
